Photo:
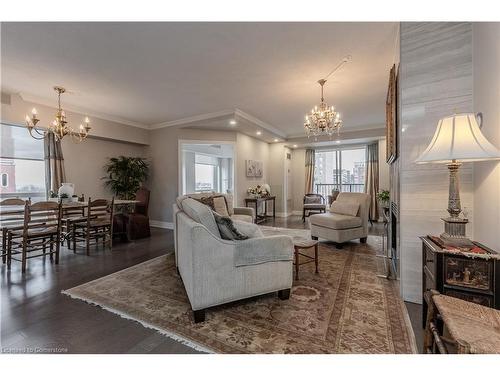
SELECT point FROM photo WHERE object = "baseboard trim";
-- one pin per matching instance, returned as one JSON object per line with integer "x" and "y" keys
{"x": 297, "y": 213}
{"x": 161, "y": 224}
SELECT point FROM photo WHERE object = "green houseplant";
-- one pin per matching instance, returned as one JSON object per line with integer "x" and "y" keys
{"x": 124, "y": 175}
{"x": 384, "y": 196}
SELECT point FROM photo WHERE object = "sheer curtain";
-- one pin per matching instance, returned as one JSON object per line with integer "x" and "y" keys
{"x": 54, "y": 163}
{"x": 371, "y": 179}
{"x": 310, "y": 161}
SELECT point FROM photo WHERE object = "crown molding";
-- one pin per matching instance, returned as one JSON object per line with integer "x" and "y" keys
{"x": 191, "y": 119}
{"x": 258, "y": 122}
{"x": 375, "y": 130}
{"x": 68, "y": 107}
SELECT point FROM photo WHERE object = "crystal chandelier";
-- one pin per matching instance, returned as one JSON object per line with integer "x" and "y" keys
{"x": 322, "y": 120}
{"x": 59, "y": 126}
{"x": 325, "y": 120}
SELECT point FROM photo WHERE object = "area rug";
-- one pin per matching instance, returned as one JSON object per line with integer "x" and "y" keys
{"x": 345, "y": 308}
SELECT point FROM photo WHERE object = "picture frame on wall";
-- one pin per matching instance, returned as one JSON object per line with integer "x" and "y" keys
{"x": 254, "y": 168}
{"x": 391, "y": 116}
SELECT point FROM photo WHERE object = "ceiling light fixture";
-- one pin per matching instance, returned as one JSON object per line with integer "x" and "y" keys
{"x": 324, "y": 119}
{"x": 295, "y": 146}
{"x": 276, "y": 139}
{"x": 259, "y": 132}
{"x": 59, "y": 126}
{"x": 232, "y": 122}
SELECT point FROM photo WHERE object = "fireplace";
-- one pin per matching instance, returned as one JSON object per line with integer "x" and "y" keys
{"x": 393, "y": 243}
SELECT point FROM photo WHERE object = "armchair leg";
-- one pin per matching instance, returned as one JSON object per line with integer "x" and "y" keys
{"x": 284, "y": 294}
{"x": 199, "y": 316}
{"x": 363, "y": 239}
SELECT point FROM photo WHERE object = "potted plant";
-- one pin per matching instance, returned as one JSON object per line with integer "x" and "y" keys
{"x": 124, "y": 175}
{"x": 64, "y": 197}
{"x": 384, "y": 197}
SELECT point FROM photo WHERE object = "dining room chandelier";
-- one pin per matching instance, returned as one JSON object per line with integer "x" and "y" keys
{"x": 59, "y": 127}
{"x": 324, "y": 119}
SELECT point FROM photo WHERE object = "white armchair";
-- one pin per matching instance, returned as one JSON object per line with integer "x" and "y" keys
{"x": 216, "y": 271}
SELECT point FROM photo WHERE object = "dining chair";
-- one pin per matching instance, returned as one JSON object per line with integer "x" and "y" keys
{"x": 11, "y": 217}
{"x": 138, "y": 221}
{"x": 97, "y": 226}
{"x": 72, "y": 215}
{"x": 41, "y": 229}
{"x": 312, "y": 203}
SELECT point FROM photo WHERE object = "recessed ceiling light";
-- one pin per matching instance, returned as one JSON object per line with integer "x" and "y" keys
{"x": 295, "y": 146}
{"x": 259, "y": 132}
{"x": 276, "y": 139}
{"x": 232, "y": 122}
{"x": 337, "y": 141}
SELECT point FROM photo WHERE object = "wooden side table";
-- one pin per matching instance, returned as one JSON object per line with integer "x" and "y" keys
{"x": 302, "y": 244}
{"x": 259, "y": 218}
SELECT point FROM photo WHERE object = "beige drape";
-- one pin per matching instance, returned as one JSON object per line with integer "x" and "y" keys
{"x": 54, "y": 163}
{"x": 371, "y": 179}
{"x": 310, "y": 161}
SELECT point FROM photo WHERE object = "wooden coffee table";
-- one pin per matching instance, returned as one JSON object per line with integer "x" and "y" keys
{"x": 300, "y": 243}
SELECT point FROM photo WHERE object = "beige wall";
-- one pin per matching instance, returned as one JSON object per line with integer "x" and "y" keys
{"x": 486, "y": 92}
{"x": 84, "y": 163}
{"x": 249, "y": 148}
{"x": 299, "y": 178}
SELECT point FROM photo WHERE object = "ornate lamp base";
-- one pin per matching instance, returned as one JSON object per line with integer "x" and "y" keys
{"x": 454, "y": 232}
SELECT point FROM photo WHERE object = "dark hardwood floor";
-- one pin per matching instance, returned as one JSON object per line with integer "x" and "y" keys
{"x": 36, "y": 317}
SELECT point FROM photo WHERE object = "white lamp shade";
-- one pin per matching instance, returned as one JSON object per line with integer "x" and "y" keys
{"x": 458, "y": 137}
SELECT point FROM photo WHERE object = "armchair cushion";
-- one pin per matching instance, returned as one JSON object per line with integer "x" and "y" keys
{"x": 336, "y": 221}
{"x": 227, "y": 229}
{"x": 263, "y": 250}
{"x": 345, "y": 208}
{"x": 201, "y": 214}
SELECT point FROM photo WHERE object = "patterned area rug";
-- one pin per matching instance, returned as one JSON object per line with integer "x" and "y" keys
{"x": 345, "y": 308}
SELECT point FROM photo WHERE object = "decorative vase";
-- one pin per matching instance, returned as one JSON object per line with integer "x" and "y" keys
{"x": 67, "y": 188}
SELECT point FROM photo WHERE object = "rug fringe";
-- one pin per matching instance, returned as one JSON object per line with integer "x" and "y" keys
{"x": 169, "y": 334}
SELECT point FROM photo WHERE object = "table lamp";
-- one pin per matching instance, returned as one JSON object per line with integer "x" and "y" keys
{"x": 457, "y": 139}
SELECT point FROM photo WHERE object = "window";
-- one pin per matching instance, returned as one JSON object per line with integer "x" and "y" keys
{"x": 205, "y": 175}
{"x": 22, "y": 166}
{"x": 342, "y": 170}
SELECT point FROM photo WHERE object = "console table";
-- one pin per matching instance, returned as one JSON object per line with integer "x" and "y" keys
{"x": 465, "y": 275}
{"x": 259, "y": 218}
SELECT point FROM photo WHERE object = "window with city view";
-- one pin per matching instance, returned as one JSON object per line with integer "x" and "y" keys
{"x": 22, "y": 166}
{"x": 342, "y": 170}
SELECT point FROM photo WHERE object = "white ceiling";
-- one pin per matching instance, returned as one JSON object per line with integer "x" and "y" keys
{"x": 151, "y": 73}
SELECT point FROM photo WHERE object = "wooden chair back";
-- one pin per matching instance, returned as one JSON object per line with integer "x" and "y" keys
{"x": 100, "y": 209}
{"x": 45, "y": 214}
{"x": 12, "y": 217}
{"x": 314, "y": 195}
{"x": 12, "y": 202}
{"x": 76, "y": 211}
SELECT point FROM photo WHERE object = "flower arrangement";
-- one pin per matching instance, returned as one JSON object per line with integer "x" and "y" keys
{"x": 258, "y": 191}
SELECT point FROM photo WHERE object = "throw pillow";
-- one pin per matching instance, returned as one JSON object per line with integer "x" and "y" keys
{"x": 345, "y": 208}
{"x": 220, "y": 206}
{"x": 216, "y": 202}
{"x": 227, "y": 229}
